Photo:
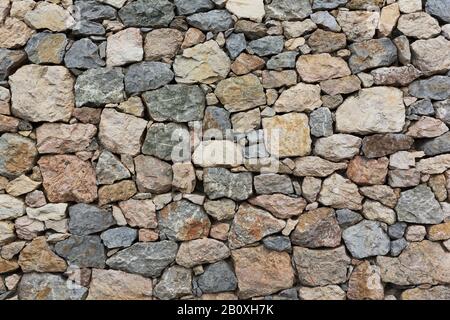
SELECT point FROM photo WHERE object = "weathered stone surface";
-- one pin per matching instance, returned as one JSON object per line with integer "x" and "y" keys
{"x": 64, "y": 138}
{"x": 427, "y": 127}
{"x": 289, "y": 10}
{"x": 253, "y": 10}
{"x": 273, "y": 183}
{"x": 347, "y": 218}
{"x": 343, "y": 85}
{"x": 201, "y": 251}
{"x": 429, "y": 27}
{"x": 175, "y": 282}
{"x": 366, "y": 239}
{"x": 267, "y": 46}
{"x": 68, "y": 178}
{"x": 317, "y": 228}
{"x": 124, "y": 47}
{"x": 99, "y": 86}
{"x": 316, "y": 167}
{"x": 436, "y": 88}
{"x": 246, "y": 63}
{"x": 331, "y": 292}
{"x": 301, "y": 97}
{"x": 321, "y": 267}
{"x": 218, "y": 277}
{"x": 87, "y": 219}
{"x": 337, "y": 147}
{"x": 38, "y": 257}
{"x": 365, "y": 283}
{"x": 261, "y": 272}
{"x": 184, "y": 178}
{"x": 321, "y": 122}
{"x": 121, "y": 133}
{"x": 218, "y": 153}
{"x": 364, "y": 171}
{"x": 220, "y": 182}
{"x": 147, "y": 13}
{"x": 179, "y": 103}
{"x": 11, "y": 207}
{"x": 49, "y": 16}
{"x": 153, "y": 175}
{"x": 85, "y": 252}
{"x": 162, "y": 44}
{"x": 214, "y": 20}
{"x": 388, "y": 19}
{"x": 439, "y": 9}
{"x": 380, "y": 145}
{"x": 47, "y": 286}
{"x": 14, "y": 33}
{"x": 46, "y": 48}
{"x": 10, "y": 60}
{"x": 51, "y": 211}
{"x": 436, "y": 146}
{"x": 358, "y": 25}
{"x": 186, "y": 7}
{"x": 419, "y": 205}
{"x": 339, "y": 193}
{"x": 400, "y": 76}
{"x": 118, "y": 285}
{"x": 42, "y": 93}
{"x": 147, "y": 75}
{"x": 21, "y": 185}
{"x": 319, "y": 67}
{"x": 164, "y": 141}
{"x": 119, "y": 191}
{"x": 119, "y": 237}
{"x": 109, "y": 169}
{"x": 322, "y": 41}
{"x": 433, "y": 293}
{"x": 281, "y": 206}
{"x": 204, "y": 63}
{"x": 435, "y": 165}
{"x": 422, "y": 262}
{"x": 251, "y": 224}
{"x": 83, "y": 54}
{"x": 17, "y": 155}
{"x": 381, "y": 193}
{"x": 430, "y": 56}
{"x": 183, "y": 221}
{"x": 139, "y": 213}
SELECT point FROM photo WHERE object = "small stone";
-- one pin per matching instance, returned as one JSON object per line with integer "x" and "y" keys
{"x": 86, "y": 219}
{"x": 430, "y": 56}
{"x": 51, "y": 211}
{"x": 163, "y": 43}
{"x": 45, "y": 48}
{"x": 281, "y": 206}
{"x": 366, "y": 239}
{"x": 319, "y": 67}
{"x": 388, "y": 19}
{"x": 278, "y": 79}
{"x": 210, "y": 251}
{"x": 28, "y": 229}
{"x": 365, "y": 283}
{"x": 436, "y": 88}
{"x": 364, "y": 171}
{"x": 148, "y": 75}
{"x": 187, "y": 7}
{"x": 218, "y": 153}
{"x": 261, "y": 272}
{"x": 85, "y": 252}
{"x": 415, "y": 233}
{"x": 325, "y": 41}
{"x": 10, "y": 207}
{"x": 358, "y": 25}
{"x": 142, "y": 13}
{"x": 409, "y": 6}
{"x": 443, "y": 110}
{"x": 325, "y": 20}
{"x": 118, "y": 237}
{"x": 331, "y": 292}
{"x": 192, "y": 37}
{"x": 382, "y": 52}
{"x": 301, "y": 97}
{"x": 214, "y": 20}
{"x": 49, "y": 16}
{"x": 153, "y": 175}
{"x": 10, "y": 61}
{"x": 138, "y": 213}
{"x": 403, "y": 49}
{"x": 316, "y": 167}
{"x": 381, "y": 193}
{"x": 17, "y": 155}
{"x": 380, "y": 145}
{"x": 282, "y": 60}
{"x": 119, "y": 191}
{"x": 439, "y": 9}
{"x": 124, "y": 47}
{"x": 337, "y": 147}
{"x": 175, "y": 282}
{"x": 220, "y": 210}
{"x": 184, "y": 178}
{"x": 68, "y": 178}
{"x": 347, "y": 218}
{"x": 109, "y": 169}
{"x": 419, "y": 205}
{"x": 267, "y": 46}
{"x": 397, "y": 230}
{"x": 6, "y": 232}
{"x": 83, "y": 54}
{"x": 339, "y": 193}
{"x": 397, "y": 247}
{"x": 246, "y": 63}
{"x": 373, "y": 210}
{"x": 295, "y": 29}
{"x": 288, "y": 10}
{"x": 251, "y": 224}
{"x": 321, "y": 122}
{"x": 38, "y": 257}
{"x": 219, "y": 182}
{"x": 273, "y": 183}
{"x": 253, "y": 10}
{"x": 47, "y": 286}
{"x": 217, "y": 277}
{"x": 404, "y": 178}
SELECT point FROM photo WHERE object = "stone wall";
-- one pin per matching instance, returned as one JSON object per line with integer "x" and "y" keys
{"x": 224, "y": 149}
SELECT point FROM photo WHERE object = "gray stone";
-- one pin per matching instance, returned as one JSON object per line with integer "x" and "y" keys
{"x": 119, "y": 237}
{"x": 322, "y": 41}
{"x": 372, "y": 54}
{"x": 236, "y": 44}
{"x": 47, "y": 286}
{"x": 175, "y": 282}
{"x": 289, "y": 9}
{"x": 162, "y": 138}
{"x": 147, "y": 13}
{"x": 183, "y": 221}
{"x": 328, "y": 4}
{"x": 435, "y": 146}
{"x": 92, "y": 10}
{"x": 147, "y": 259}
{"x": 321, "y": 122}
{"x": 439, "y": 8}
{"x": 10, "y": 61}
{"x": 187, "y": 7}
{"x": 397, "y": 246}
{"x": 273, "y": 183}
{"x": 217, "y": 118}
{"x": 109, "y": 169}
{"x": 220, "y": 182}
{"x": 366, "y": 239}
{"x": 17, "y": 155}
{"x": 419, "y": 205}
{"x": 420, "y": 108}
{"x": 145, "y": 76}
{"x": 88, "y": 28}
{"x": 443, "y": 111}
{"x": 96, "y": 87}
{"x": 435, "y": 88}
{"x": 84, "y": 252}
{"x": 211, "y": 21}
{"x": 267, "y": 46}
{"x": 347, "y": 218}
{"x": 46, "y": 48}
{"x": 326, "y": 20}
{"x": 397, "y": 230}
{"x": 218, "y": 277}
{"x": 277, "y": 243}
{"x": 87, "y": 219}
{"x": 83, "y": 54}
{"x": 284, "y": 60}
{"x": 177, "y": 102}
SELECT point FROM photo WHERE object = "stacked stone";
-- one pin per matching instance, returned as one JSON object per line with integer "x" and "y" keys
{"x": 225, "y": 149}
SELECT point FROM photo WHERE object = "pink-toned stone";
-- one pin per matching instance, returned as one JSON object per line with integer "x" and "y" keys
{"x": 280, "y": 205}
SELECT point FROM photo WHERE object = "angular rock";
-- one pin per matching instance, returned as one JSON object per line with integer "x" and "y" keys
{"x": 147, "y": 13}
{"x": 175, "y": 282}
{"x": 219, "y": 182}
{"x": 388, "y": 19}
{"x": 164, "y": 141}
{"x": 85, "y": 252}
{"x": 121, "y": 237}
{"x": 435, "y": 88}
{"x": 86, "y": 219}
{"x": 273, "y": 183}
{"x": 381, "y": 193}
{"x": 14, "y": 33}
{"x": 316, "y": 167}
{"x": 429, "y": 27}
{"x": 267, "y": 46}
{"x": 201, "y": 251}
{"x": 397, "y": 76}
{"x": 331, "y": 292}
{"x": 124, "y": 47}
{"x": 433, "y": 293}
{"x": 246, "y": 63}
{"x": 372, "y": 54}
{"x": 218, "y": 277}
{"x": 153, "y": 175}
{"x": 38, "y": 257}
{"x": 380, "y": 145}
{"x": 301, "y": 97}
{"x": 148, "y": 75}
{"x": 10, "y": 61}
{"x": 83, "y": 54}
{"x": 214, "y": 21}
{"x": 439, "y": 9}
{"x": 365, "y": 283}
{"x": 373, "y": 210}
{"x": 109, "y": 169}
{"x": 253, "y": 10}
{"x": 10, "y": 207}
{"x": 358, "y": 25}
{"x": 319, "y": 67}
{"x": 430, "y": 56}
{"x": 436, "y": 146}
{"x": 51, "y": 211}
{"x": 337, "y": 147}
{"x": 427, "y": 127}
{"x": 364, "y": 171}
{"x": 119, "y": 191}
{"x": 46, "y": 48}
{"x": 162, "y": 44}
{"x": 139, "y": 213}
{"x": 343, "y": 85}
{"x": 187, "y": 7}
{"x": 288, "y": 10}
{"x": 325, "y": 41}
{"x": 435, "y": 165}
{"x": 339, "y": 193}
{"x": 49, "y": 16}
{"x": 347, "y": 218}
{"x": 184, "y": 178}
{"x": 218, "y": 153}
{"x": 47, "y": 286}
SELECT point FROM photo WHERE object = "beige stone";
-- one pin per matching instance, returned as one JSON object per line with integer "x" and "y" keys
{"x": 218, "y": 153}
{"x": 14, "y": 33}
{"x": 358, "y": 25}
{"x": 124, "y": 47}
{"x": 340, "y": 193}
{"x": 301, "y": 97}
{"x": 388, "y": 19}
{"x": 49, "y": 16}
{"x": 165, "y": 43}
{"x": 319, "y": 67}
{"x": 38, "y": 257}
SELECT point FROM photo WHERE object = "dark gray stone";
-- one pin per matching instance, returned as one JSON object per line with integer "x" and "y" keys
{"x": 284, "y": 60}
{"x": 175, "y": 282}
{"x": 162, "y": 138}
{"x": 83, "y": 54}
{"x": 366, "y": 239}
{"x": 211, "y": 21}
{"x": 439, "y": 9}
{"x": 434, "y": 88}
{"x": 47, "y": 286}
{"x": 347, "y": 218}
{"x": 88, "y": 28}
{"x": 187, "y": 7}
{"x": 397, "y": 230}
{"x": 277, "y": 243}
{"x": 92, "y": 10}
{"x": 328, "y": 4}
{"x": 96, "y": 87}
{"x": 177, "y": 102}
{"x": 372, "y": 54}
{"x": 435, "y": 146}
{"x": 119, "y": 237}
{"x": 321, "y": 122}
{"x": 147, "y": 13}
{"x": 267, "y": 46}
{"x": 420, "y": 108}
{"x": 273, "y": 183}
{"x": 44, "y": 42}
{"x": 82, "y": 251}
{"x": 218, "y": 277}
{"x": 397, "y": 246}
{"x": 289, "y": 9}
{"x": 235, "y": 44}
{"x": 146, "y": 76}
{"x": 10, "y": 61}
{"x": 86, "y": 219}
{"x": 419, "y": 205}
{"x": 222, "y": 183}
{"x": 109, "y": 169}
{"x": 147, "y": 259}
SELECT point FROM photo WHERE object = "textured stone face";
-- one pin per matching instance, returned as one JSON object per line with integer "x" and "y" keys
{"x": 48, "y": 286}
{"x": 318, "y": 67}
{"x": 17, "y": 155}
{"x": 142, "y": 13}
{"x": 219, "y": 182}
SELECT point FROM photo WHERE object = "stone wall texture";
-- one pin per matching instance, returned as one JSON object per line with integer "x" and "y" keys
{"x": 224, "y": 149}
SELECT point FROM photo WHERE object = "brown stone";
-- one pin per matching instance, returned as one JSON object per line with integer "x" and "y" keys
{"x": 17, "y": 153}
{"x": 38, "y": 257}
{"x": 152, "y": 174}
{"x": 340, "y": 193}
{"x": 14, "y": 33}
{"x": 8, "y": 265}
{"x": 192, "y": 37}
{"x": 184, "y": 178}
{"x": 326, "y": 41}
{"x": 162, "y": 43}
{"x": 262, "y": 272}
{"x": 119, "y": 191}
{"x": 365, "y": 283}
{"x": 384, "y": 194}
{"x": 280, "y": 205}
{"x": 87, "y": 115}
{"x": 139, "y": 213}
{"x": 380, "y": 145}
{"x": 201, "y": 251}
{"x": 343, "y": 85}
{"x": 319, "y": 67}
{"x": 246, "y": 63}
{"x": 433, "y": 293}
{"x": 439, "y": 232}
{"x": 365, "y": 171}
{"x": 8, "y": 124}
{"x": 67, "y": 178}
{"x": 278, "y": 79}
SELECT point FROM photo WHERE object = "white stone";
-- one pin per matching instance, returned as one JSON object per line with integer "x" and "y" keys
{"x": 250, "y": 9}
{"x": 51, "y": 211}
